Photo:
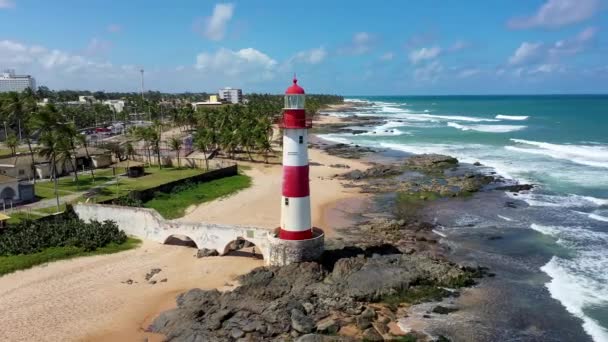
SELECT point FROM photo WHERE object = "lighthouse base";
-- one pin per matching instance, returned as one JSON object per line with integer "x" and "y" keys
{"x": 284, "y": 252}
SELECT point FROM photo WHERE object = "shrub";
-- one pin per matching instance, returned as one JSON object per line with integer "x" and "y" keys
{"x": 65, "y": 230}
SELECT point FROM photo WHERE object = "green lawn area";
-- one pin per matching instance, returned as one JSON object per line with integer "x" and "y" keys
{"x": 45, "y": 192}
{"x": 19, "y": 216}
{"x": 154, "y": 177}
{"x": 14, "y": 263}
{"x": 173, "y": 205}
{"x": 52, "y": 209}
{"x": 6, "y": 152}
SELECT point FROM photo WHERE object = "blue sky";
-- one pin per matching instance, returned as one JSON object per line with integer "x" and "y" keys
{"x": 345, "y": 47}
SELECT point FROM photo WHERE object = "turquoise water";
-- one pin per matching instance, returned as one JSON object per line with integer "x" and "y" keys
{"x": 559, "y": 143}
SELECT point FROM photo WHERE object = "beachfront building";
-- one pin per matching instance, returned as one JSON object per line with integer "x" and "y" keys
{"x": 231, "y": 95}
{"x": 9, "y": 81}
{"x": 13, "y": 191}
{"x": 295, "y": 203}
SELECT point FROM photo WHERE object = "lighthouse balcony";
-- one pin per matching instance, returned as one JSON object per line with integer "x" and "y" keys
{"x": 291, "y": 122}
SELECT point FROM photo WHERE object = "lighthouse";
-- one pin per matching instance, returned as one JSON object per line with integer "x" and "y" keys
{"x": 295, "y": 201}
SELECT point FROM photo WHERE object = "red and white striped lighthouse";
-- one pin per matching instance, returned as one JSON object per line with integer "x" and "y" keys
{"x": 295, "y": 202}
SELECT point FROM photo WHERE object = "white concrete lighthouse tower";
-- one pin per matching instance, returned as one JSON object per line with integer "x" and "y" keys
{"x": 297, "y": 240}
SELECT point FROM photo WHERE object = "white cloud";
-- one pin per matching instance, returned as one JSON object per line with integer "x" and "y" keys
{"x": 557, "y": 13}
{"x": 458, "y": 46}
{"x": 387, "y": 56}
{"x": 468, "y": 72}
{"x": 532, "y": 53}
{"x": 312, "y": 56}
{"x": 215, "y": 26}
{"x": 7, "y": 4}
{"x": 527, "y": 53}
{"x": 361, "y": 43}
{"x": 249, "y": 62}
{"x": 546, "y": 69}
{"x": 424, "y": 53}
{"x": 428, "y": 73}
{"x": 114, "y": 28}
{"x": 98, "y": 46}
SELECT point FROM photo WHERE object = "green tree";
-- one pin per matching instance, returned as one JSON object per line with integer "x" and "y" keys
{"x": 12, "y": 142}
{"x": 50, "y": 150}
{"x": 175, "y": 144}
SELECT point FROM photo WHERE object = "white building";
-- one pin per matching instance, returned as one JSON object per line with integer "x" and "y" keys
{"x": 117, "y": 105}
{"x": 11, "y": 82}
{"x": 231, "y": 95}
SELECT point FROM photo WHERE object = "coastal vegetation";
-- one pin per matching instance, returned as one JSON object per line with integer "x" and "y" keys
{"x": 30, "y": 242}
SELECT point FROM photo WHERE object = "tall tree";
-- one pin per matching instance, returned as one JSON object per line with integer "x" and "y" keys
{"x": 175, "y": 144}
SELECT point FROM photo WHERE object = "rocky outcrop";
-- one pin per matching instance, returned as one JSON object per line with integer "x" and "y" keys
{"x": 302, "y": 299}
{"x": 430, "y": 162}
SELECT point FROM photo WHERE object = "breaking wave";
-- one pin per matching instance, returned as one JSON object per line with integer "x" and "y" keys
{"x": 590, "y": 155}
{"x": 511, "y": 117}
{"x": 487, "y": 128}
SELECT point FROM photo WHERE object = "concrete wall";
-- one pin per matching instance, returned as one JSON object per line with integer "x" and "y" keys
{"x": 148, "y": 224}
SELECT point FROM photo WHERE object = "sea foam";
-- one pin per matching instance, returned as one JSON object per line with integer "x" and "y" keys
{"x": 580, "y": 283}
{"x": 512, "y": 117}
{"x": 487, "y": 128}
{"x": 590, "y": 155}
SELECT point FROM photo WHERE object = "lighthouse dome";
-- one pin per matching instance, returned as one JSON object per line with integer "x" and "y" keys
{"x": 295, "y": 89}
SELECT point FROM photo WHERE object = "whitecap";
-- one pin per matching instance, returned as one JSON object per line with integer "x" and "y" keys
{"x": 579, "y": 282}
{"x": 598, "y": 217}
{"x": 505, "y": 218}
{"x": 563, "y": 201}
{"x": 590, "y": 155}
{"x": 487, "y": 128}
{"x": 512, "y": 117}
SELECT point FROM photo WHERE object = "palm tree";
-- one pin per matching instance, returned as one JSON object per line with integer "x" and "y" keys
{"x": 201, "y": 142}
{"x": 82, "y": 141}
{"x": 49, "y": 150}
{"x": 65, "y": 153}
{"x": 12, "y": 142}
{"x": 175, "y": 144}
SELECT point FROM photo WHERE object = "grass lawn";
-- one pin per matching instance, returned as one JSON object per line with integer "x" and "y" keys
{"x": 14, "y": 263}
{"x": 85, "y": 182}
{"x": 19, "y": 216}
{"x": 52, "y": 209}
{"x": 154, "y": 177}
{"x": 6, "y": 152}
{"x": 173, "y": 205}
{"x": 45, "y": 192}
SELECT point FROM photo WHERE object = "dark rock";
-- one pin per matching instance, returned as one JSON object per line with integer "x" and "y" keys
{"x": 328, "y": 326}
{"x": 369, "y": 313}
{"x": 300, "y": 322}
{"x": 510, "y": 204}
{"x": 128, "y": 281}
{"x": 164, "y": 280}
{"x": 442, "y": 310}
{"x": 477, "y": 163}
{"x": 371, "y": 334}
{"x": 236, "y": 333}
{"x": 494, "y": 237}
{"x": 340, "y": 166}
{"x": 430, "y": 162}
{"x": 516, "y": 187}
{"x": 152, "y": 282}
{"x": 152, "y": 272}
{"x": 363, "y": 322}
{"x": 205, "y": 252}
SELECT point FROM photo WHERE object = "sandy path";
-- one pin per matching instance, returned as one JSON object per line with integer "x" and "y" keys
{"x": 259, "y": 205}
{"x": 84, "y": 299}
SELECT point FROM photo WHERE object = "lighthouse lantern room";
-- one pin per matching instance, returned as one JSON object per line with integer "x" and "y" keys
{"x": 295, "y": 202}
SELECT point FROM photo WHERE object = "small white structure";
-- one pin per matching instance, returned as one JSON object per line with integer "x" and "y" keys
{"x": 9, "y": 81}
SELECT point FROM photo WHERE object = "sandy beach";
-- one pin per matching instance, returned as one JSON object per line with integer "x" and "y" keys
{"x": 86, "y": 299}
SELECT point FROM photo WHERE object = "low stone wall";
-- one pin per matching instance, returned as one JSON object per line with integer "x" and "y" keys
{"x": 148, "y": 224}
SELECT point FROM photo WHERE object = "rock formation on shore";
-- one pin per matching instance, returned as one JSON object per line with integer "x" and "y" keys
{"x": 355, "y": 292}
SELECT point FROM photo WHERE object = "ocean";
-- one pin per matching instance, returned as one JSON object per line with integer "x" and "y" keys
{"x": 558, "y": 143}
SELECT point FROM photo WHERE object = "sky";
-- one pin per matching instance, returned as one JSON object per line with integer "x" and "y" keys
{"x": 348, "y": 47}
